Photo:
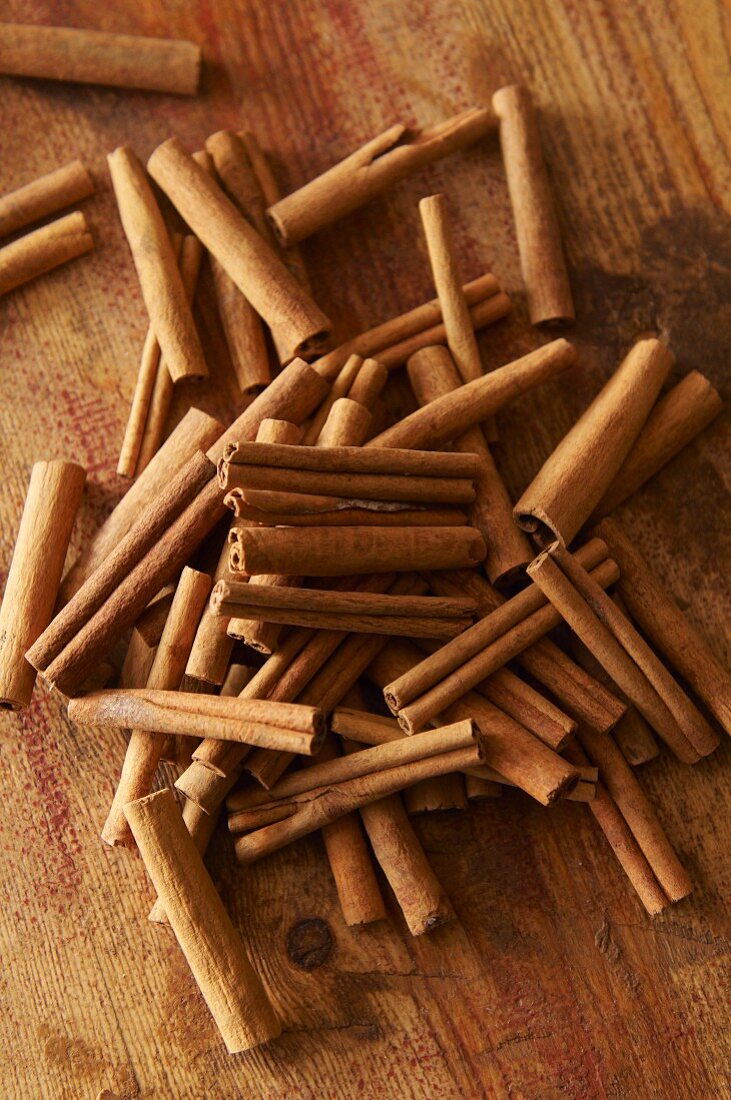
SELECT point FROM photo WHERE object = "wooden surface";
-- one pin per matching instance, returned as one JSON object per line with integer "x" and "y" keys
{"x": 554, "y": 982}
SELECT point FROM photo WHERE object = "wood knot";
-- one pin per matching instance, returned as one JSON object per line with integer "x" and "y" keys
{"x": 309, "y": 943}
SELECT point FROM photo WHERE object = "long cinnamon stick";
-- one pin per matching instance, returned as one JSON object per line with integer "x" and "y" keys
{"x": 44, "y": 249}
{"x": 144, "y": 749}
{"x": 323, "y": 552}
{"x": 402, "y": 328}
{"x": 211, "y": 945}
{"x": 675, "y": 420}
{"x": 432, "y": 375}
{"x": 196, "y": 431}
{"x": 573, "y": 480}
{"x": 370, "y": 170}
{"x": 337, "y": 601}
{"x": 351, "y": 460}
{"x": 539, "y": 239}
{"x": 450, "y": 416}
{"x": 657, "y": 614}
{"x": 96, "y": 57}
{"x": 43, "y": 196}
{"x": 53, "y": 497}
{"x": 610, "y": 654}
{"x": 697, "y": 730}
{"x": 251, "y": 263}
{"x": 306, "y": 484}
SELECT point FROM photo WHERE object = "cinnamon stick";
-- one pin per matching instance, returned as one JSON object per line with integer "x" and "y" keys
{"x": 659, "y": 617}
{"x": 342, "y": 382}
{"x": 677, "y": 418}
{"x": 53, "y": 497}
{"x": 44, "y": 249}
{"x": 368, "y": 383}
{"x": 432, "y": 375}
{"x": 211, "y": 647}
{"x": 356, "y": 460}
{"x": 211, "y": 945}
{"x": 703, "y": 739}
{"x": 403, "y": 328}
{"x": 144, "y": 748}
{"x": 539, "y": 238}
{"x": 446, "y": 792}
{"x": 255, "y": 268}
{"x": 43, "y": 196}
{"x": 96, "y": 57}
{"x": 285, "y": 727}
{"x": 323, "y": 552}
{"x": 347, "y": 517}
{"x": 610, "y": 653}
{"x": 370, "y": 170}
{"x": 306, "y": 484}
{"x": 162, "y": 287}
{"x": 196, "y": 431}
{"x": 450, "y": 416}
{"x": 574, "y": 478}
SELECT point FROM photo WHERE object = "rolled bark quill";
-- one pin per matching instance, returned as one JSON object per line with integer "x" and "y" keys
{"x": 44, "y": 249}
{"x": 697, "y": 730}
{"x": 464, "y": 662}
{"x": 572, "y": 607}
{"x": 95, "y": 57}
{"x": 347, "y": 517}
{"x": 230, "y": 987}
{"x": 196, "y": 431}
{"x": 667, "y": 628}
{"x": 160, "y": 281}
{"x": 573, "y": 480}
{"x": 450, "y": 416}
{"x": 339, "y": 388}
{"x": 539, "y": 238}
{"x": 53, "y": 497}
{"x": 370, "y": 170}
{"x": 363, "y": 612}
{"x": 675, "y": 420}
{"x": 284, "y": 727}
{"x": 337, "y": 551}
{"x": 161, "y": 394}
{"x": 144, "y": 749}
{"x": 43, "y": 196}
{"x": 210, "y": 650}
{"x": 432, "y": 375}
{"x": 255, "y": 268}
{"x": 407, "y": 326}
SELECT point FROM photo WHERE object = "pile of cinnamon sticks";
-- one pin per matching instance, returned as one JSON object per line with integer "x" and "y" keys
{"x": 330, "y": 624}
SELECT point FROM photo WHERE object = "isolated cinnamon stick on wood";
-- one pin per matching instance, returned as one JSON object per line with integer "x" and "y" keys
{"x": 160, "y": 281}
{"x": 574, "y": 478}
{"x": 96, "y": 57}
{"x": 255, "y": 268}
{"x": 53, "y": 497}
{"x": 369, "y": 171}
{"x": 43, "y": 250}
{"x": 659, "y": 617}
{"x": 539, "y": 239}
{"x": 209, "y": 941}
{"x": 46, "y": 195}
{"x": 432, "y": 375}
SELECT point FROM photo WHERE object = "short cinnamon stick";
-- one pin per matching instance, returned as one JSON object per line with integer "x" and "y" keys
{"x": 539, "y": 239}
{"x": 53, "y": 497}
{"x": 339, "y": 389}
{"x": 210, "y": 651}
{"x": 44, "y": 249}
{"x": 43, "y": 196}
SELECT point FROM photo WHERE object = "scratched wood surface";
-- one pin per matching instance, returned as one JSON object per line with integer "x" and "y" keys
{"x": 553, "y": 982}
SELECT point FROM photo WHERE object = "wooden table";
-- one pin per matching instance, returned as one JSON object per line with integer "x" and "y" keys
{"x": 553, "y": 982}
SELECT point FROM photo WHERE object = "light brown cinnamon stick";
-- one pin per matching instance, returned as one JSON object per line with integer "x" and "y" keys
{"x": 97, "y": 57}
{"x": 487, "y": 312}
{"x": 251, "y": 263}
{"x": 211, "y": 945}
{"x": 450, "y": 416}
{"x": 43, "y": 196}
{"x": 210, "y": 650}
{"x": 572, "y": 481}
{"x": 342, "y": 382}
{"x": 432, "y": 375}
{"x": 52, "y": 500}
{"x": 675, "y": 420}
{"x": 44, "y": 249}
{"x": 539, "y": 239}
{"x": 162, "y": 287}
{"x": 144, "y": 749}
{"x": 657, "y": 614}
{"x": 609, "y": 652}
{"x": 370, "y": 170}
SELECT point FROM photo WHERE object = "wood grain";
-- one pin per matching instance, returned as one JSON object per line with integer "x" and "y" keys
{"x": 552, "y": 983}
